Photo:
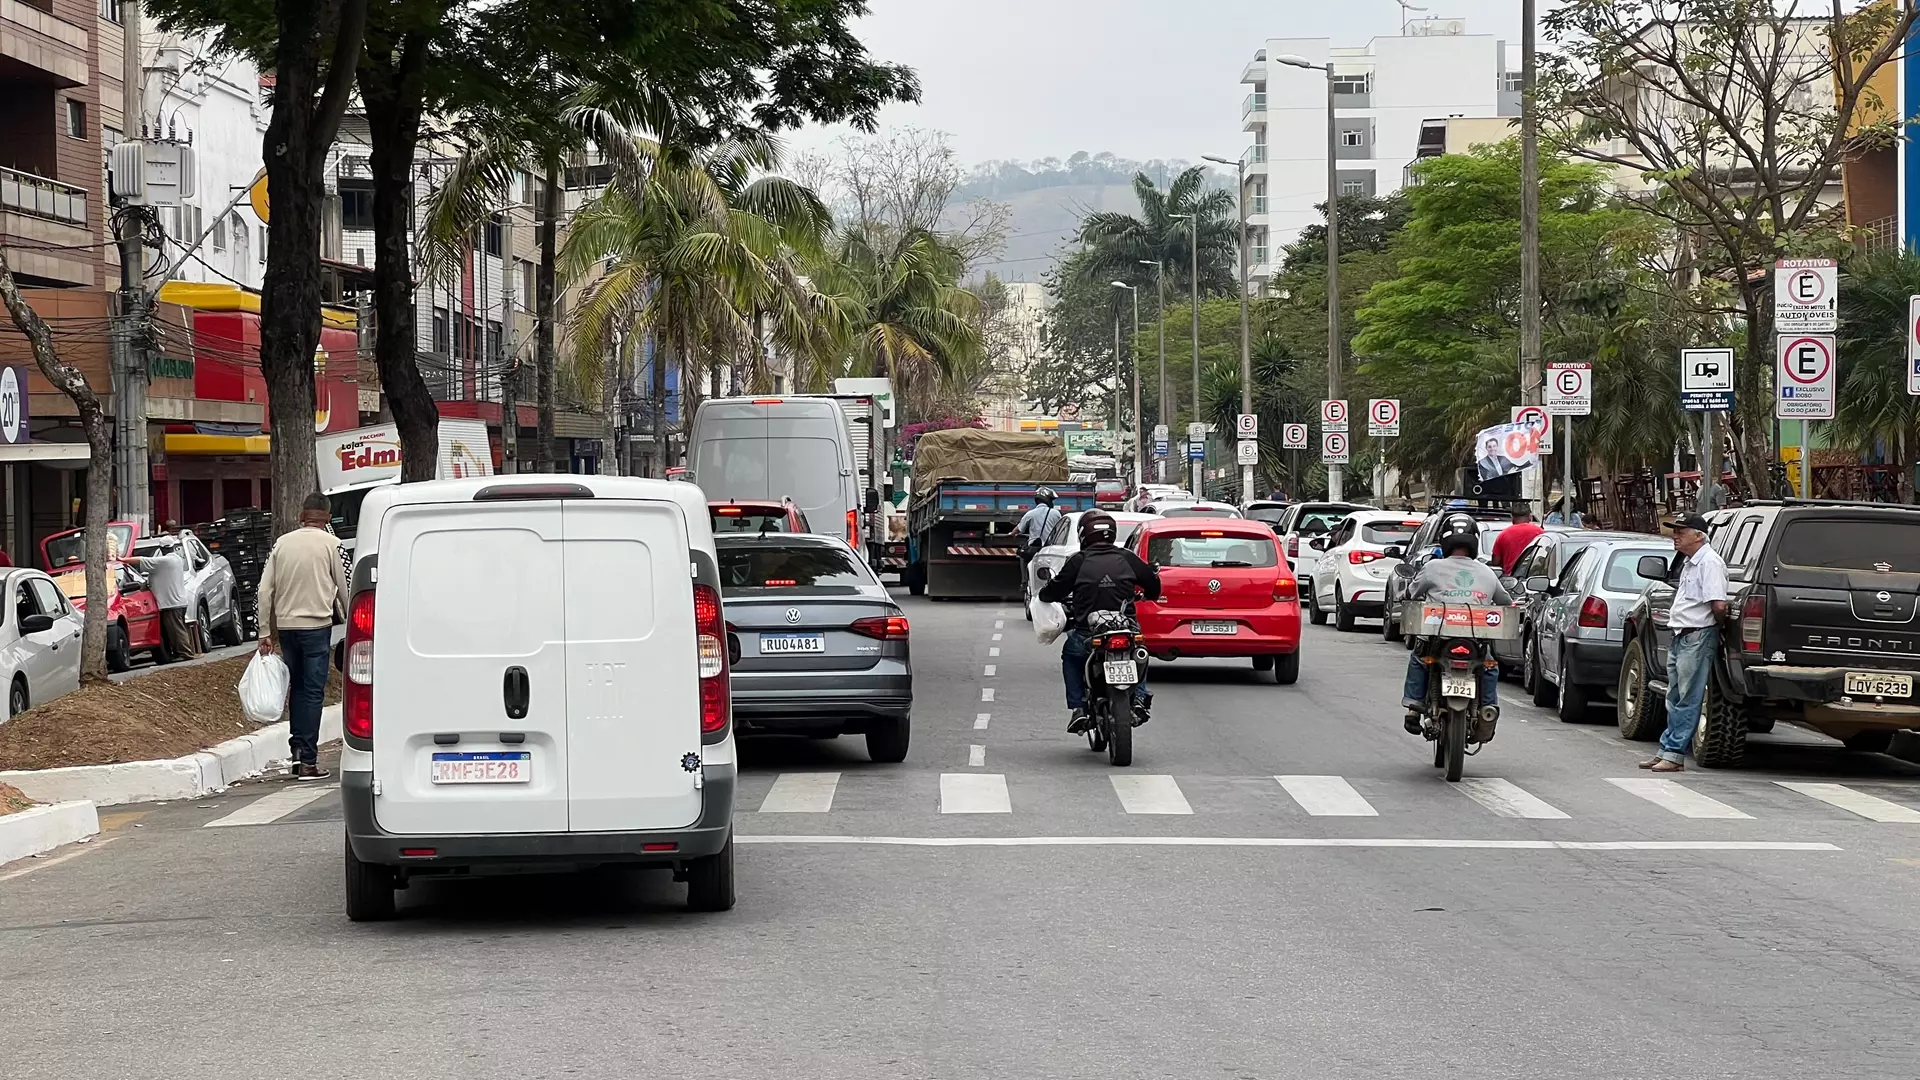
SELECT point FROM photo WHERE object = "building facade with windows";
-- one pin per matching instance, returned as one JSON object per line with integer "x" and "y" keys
{"x": 1385, "y": 91}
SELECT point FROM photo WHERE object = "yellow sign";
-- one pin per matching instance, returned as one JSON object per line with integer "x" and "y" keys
{"x": 257, "y": 195}
{"x": 321, "y": 409}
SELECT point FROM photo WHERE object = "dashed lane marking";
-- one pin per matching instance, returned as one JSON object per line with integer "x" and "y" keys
{"x": 990, "y": 670}
{"x": 1149, "y": 794}
{"x": 986, "y": 693}
{"x": 974, "y": 793}
{"x": 976, "y": 757}
{"x": 801, "y": 793}
{"x": 1327, "y": 796}
{"x": 980, "y": 721}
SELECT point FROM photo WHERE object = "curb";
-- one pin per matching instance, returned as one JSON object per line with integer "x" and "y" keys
{"x": 186, "y": 777}
{"x": 44, "y": 828}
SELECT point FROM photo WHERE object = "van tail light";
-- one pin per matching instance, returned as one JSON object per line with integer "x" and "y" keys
{"x": 1753, "y": 619}
{"x": 884, "y": 627}
{"x": 1362, "y": 558}
{"x": 1593, "y": 612}
{"x": 853, "y": 528}
{"x": 712, "y": 633}
{"x": 356, "y": 696}
{"x": 1285, "y": 588}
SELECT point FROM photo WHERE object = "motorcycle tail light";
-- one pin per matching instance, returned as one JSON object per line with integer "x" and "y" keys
{"x": 1461, "y": 650}
{"x": 1120, "y": 641}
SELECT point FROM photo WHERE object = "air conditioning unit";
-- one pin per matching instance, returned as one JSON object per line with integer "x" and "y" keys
{"x": 154, "y": 172}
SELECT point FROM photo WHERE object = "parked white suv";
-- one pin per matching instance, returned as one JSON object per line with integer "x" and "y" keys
{"x": 536, "y": 673}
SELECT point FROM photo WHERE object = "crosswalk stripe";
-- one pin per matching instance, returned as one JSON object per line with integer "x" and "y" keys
{"x": 1508, "y": 799}
{"x": 801, "y": 793}
{"x": 1327, "y": 796}
{"x": 271, "y": 808}
{"x": 974, "y": 793}
{"x": 1149, "y": 794}
{"x": 1672, "y": 795}
{"x": 1871, "y": 807}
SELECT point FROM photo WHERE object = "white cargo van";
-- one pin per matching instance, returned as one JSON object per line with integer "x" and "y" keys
{"x": 536, "y": 674}
{"x": 770, "y": 448}
{"x": 349, "y": 464}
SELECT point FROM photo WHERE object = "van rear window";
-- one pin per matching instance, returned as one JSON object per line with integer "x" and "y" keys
{"x": 1197, "y": 550}
{"x": 788, "y": 566}
{"x": 1852, "y": 544}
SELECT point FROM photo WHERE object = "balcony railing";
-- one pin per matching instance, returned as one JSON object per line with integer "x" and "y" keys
{"x": 1259, "y": 257}
{"x": 1259, "y": 204}
{"x": 1255, "y": 155}
{"x": 40, "y": 197}
{"x": 1255, "y": 102}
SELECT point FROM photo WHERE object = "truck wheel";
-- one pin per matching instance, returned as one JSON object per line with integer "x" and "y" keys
{"x": 1720, "y": 739}
{"x": 369, "y": 890}
{"x": 916, "y": 578}
{"x": 1869, "y": 742}
{"x": 1642, "y": 714}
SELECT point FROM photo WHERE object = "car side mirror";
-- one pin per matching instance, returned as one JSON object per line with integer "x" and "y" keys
{"x": 36, "y": 624}
{"x": 873, "y": 500}
{"x": 1539, "y": 583}
{"x": 1652, "y": 567}
{"x": 1318, "y": 543}
{"x": 1394, "y": 551}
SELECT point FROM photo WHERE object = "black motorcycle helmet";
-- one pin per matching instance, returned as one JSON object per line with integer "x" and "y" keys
{"x": 1043, "y": 495}
{"x": 1458, "y": 531}
{"x": 1097, "y": 527}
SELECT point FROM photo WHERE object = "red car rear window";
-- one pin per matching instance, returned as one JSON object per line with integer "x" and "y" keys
{"x": 1220, "y": 550}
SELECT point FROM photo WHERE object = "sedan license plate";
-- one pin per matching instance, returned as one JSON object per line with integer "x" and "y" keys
{"x": 496, "y": 767}
{"x": 1452, "y": 685}
{"x": 1122, "y": 672}
{"x": 778, "y": 644}
{"x": 1216, "y": 626}
{"x": 1873, "y": 684}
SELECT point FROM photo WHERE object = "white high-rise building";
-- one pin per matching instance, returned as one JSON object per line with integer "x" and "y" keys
{"x": 1384, "y": 91}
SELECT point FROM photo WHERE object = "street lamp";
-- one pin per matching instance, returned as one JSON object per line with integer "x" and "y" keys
{"x": 1335, "y": 486}
{"x": 1246, "y": 350}
{"x": 1160, "y": 318}
{"x": 1197, "y": 482}
{"x": 1137, "y": 448}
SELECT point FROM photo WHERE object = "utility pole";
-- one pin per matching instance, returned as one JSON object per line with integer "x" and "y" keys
{"x": 1160, "y": 320}
{"x": 1119, "y": 386}
{"x": 1196, "y": 482}
{"x": 1246, "y": 348}
{"x": 509, "y": 356}
{"x": 1133, "y": 347}
{"x": 1531, "y": 381}
{"x": 129, "y": 336}
{"x": 1336, "y": 475}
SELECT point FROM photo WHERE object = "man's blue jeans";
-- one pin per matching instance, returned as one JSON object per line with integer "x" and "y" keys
{"x": 1075, "y": 648}
{"x": 1689, "y": 658}
{"x": 1414, "y": 694}
{"x": 308, "y": 654}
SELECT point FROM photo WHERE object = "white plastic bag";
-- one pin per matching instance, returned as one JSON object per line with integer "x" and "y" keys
{"x": 1049, "y": 620}
{"x": 263, "y": 688}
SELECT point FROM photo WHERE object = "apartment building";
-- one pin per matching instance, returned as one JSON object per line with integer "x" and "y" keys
{"x": 1385, "y": 92}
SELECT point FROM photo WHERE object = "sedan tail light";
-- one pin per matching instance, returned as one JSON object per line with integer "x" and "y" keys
{"x": 711, "y": 628}
{"x": 1753, "y": 619}
{"x": 356, "y": 695}
{"x": 884, "y": 627}
{"x": 1593, "y": 612}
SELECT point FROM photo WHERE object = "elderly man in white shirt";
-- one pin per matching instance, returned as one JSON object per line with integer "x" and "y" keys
{"x": 1699, "y": 607}
{"x": 167, "y": 578}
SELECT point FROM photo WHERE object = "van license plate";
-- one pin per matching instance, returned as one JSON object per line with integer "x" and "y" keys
{"x": 1452, "y": 685}
{"x": 776, "y": 644}
{"x": 1874, "y": 684}
{"x": 1121, "y": 672}
{"x": 1211, "y": 626}
{"x": 498, "y": 767}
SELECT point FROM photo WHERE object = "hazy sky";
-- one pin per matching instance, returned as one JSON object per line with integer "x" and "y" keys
{"x": 1141, "y": 78}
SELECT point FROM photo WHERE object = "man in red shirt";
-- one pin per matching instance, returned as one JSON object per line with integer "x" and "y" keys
{"x": 1514, "y": 539}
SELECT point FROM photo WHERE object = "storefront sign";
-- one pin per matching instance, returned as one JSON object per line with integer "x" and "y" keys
{"x": 13, "y": 406}
{"x": 160, "y": 366}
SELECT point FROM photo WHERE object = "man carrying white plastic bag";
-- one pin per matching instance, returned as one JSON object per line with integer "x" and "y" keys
{"x": 263, "y": 688}
{"x": 302, "y": 590}
{"x": 1049, "y": 620}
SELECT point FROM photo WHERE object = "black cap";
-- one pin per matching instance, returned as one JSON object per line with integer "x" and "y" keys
{"x": 1690, "y": 521}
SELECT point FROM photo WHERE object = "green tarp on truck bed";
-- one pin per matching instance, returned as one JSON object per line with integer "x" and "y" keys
{"x": 976, "y": 454}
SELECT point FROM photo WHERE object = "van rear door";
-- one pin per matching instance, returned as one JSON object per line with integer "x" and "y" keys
{"x": 468, "y": 617}
{"x": 633, "y": 691}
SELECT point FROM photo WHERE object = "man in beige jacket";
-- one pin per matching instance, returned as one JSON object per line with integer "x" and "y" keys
{"x": 302, "y": 590}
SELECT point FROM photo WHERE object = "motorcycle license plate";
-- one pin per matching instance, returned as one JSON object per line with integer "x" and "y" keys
{"x": 1121, "y": 672}
{"x": 1456, "y": 685}
{"x": 1874, "y": 684}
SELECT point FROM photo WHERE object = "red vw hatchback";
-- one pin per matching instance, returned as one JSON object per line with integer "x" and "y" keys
{"x": 1225, "y": 591}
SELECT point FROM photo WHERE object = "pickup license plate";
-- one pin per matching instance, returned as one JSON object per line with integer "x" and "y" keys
{"x": 1122, "y": 672}
{"x": 1873, "y": 684}
{"x": 1215, "y": 626}
{"x": 777, "y": 644}
{"x": 494, "y": 767}
{"x": 1456, "y": 685}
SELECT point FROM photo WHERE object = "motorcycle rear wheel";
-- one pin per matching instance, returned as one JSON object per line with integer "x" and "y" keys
{"x": 1119, "y": 721}
{"x": 1456, "y": 745}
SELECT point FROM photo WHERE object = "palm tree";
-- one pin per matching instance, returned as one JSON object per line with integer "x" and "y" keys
{"x": 1872, "y": 403}
{"x": 907, "y": 317}
{"x": 1120, "y": 243}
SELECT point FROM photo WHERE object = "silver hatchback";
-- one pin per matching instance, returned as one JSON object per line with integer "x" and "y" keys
{"x": 815, "y": 644}
{"x": 1575, "y": 638}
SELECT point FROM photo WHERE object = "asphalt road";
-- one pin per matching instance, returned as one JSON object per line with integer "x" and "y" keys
{"x": 1361, "y": 918}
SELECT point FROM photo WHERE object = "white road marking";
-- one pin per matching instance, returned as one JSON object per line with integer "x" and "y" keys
{"x": 997, "y": 637}
{"x": 801, "y": 793}
{"x": 1294, "y": 842}
{"x": 974, "y": 793}
{"x": 1672, "y": 795}
{"x": 980, "y": 721}
{"x": 977, "y": 757}
{"x": 990, "y": 669}
{"x": 999, "y": 624}
{"x": 986, "y": 693}
{"x": 995, "y": 651}
{"x": 1145, "y": 793}
{"x": 95, "y": 844}
{"x": 1507, "y": 799}
{"x": 1871, "y": 807}
{"x": 1327, "y": 796}
{"x": 271, "y": 808}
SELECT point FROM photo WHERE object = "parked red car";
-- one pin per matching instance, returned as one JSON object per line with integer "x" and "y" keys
{"x": 1225, "y": 591}
{"x": 134, "y": 615}
{"x": 757, "y": 517}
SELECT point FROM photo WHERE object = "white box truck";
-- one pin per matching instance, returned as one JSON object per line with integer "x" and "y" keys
{"x": 351, "y": 463}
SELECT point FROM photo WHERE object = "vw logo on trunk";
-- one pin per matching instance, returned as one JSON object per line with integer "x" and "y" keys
{"x": 1214, "y": 585}
{"x": 793, "y": 614}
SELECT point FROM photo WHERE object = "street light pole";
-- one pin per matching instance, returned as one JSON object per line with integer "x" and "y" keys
{"x": 1197, "y": 465}
{"x": 1246, "y": 349}
{"x": 1531, "y": 381}
{"x": 1160, "y": 319}
{"x": 1134, "y": 353}
{"x": 1336, "y": 486}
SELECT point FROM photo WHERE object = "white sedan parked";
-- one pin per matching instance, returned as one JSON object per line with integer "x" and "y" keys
{"x": 39, "y": 641}
{"x": 1351, "y": 568}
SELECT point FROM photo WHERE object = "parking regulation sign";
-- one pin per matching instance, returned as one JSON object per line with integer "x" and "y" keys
{"x": 1536, "y": 418}
{"x": 1293, "y": 436}
{"x": 1249, "y": 452}
{"x": 1333, "y": 448}
{"x": 1383, "y": 417}
{"x": 1806, "y": 296}
{"x": 1803, "y": 383}
{"x": 1333, "y": 415}
{"x": 1913, "y": 344}
{"x": 1706, "y": 380}
{"x": 1569, "y": 389}
{"x": 1247, "y": 425}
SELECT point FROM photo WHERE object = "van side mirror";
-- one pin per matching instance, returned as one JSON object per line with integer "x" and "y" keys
{"x": 36, "y": 624}
{"x": 1652, "y": 567}
{"x": 873, "y": 500}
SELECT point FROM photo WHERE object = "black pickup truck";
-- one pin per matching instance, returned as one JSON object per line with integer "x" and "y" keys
{"x": 1824, "y": 632}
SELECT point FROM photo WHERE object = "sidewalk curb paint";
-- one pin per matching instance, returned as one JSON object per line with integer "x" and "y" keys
{"x": 186, "y": 777}
{"x": 43, "y": 828}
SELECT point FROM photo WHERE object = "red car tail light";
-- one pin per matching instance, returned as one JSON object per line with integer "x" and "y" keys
{"x": 711, "y": 631}
{"x": 356, "y": 695}
{"x": 1593, "y": 612}
{"x": 1362, "y": 558}
{"x": 1753, "y": 619}
{"x": 1286, "y": 588}
{"x": 883, "y": 627}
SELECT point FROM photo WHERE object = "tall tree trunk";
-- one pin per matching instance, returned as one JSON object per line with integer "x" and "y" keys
{"x": 660, "y": 360}
{"x": 392, "y": 85}
{"x": 544, "y": 301}
{"x": 93, "y": 419}
{"x": 1754, "y": 448}
{"x": 609, "y": 393}
{"x": 307, "y": 106}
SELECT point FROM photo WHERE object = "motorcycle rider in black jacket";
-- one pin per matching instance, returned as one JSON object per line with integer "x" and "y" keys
{"x": 1098, "y": 577}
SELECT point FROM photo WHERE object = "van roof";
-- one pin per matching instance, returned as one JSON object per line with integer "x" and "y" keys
{"x": 692, "y": 502}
